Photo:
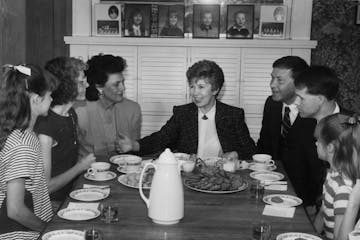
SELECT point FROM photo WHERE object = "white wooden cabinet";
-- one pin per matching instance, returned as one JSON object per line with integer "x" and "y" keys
{"x": 156, "y": 72}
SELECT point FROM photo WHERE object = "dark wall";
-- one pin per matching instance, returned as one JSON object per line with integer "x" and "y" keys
{"x": 333, "y": 26}
{"x": 13, "y": 32}
{"x": 47, "y": 22}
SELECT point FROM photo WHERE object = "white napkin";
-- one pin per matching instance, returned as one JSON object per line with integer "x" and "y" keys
{"x": 93, "y": 206}
{"x": 276, "y": 187}
{"x": 276, "y": 211}
{"x": 104, "y": 188}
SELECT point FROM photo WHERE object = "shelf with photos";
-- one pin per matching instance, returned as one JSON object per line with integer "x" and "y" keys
{"x": 190, "y": 42}
{"x": 192, "y": 19}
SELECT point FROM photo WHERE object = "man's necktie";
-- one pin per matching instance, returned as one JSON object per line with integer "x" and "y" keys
{"x": 285, "y": 124}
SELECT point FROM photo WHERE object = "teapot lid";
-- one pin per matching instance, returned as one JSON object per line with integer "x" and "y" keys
{"x": 167, "y": 157}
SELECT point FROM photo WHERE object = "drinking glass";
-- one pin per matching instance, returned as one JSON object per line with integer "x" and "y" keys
{"x": 92, "y": 234}
{"x": 257, "y": 189}
{"x": 109, "y": 213}
{"x": 261, "y": 231}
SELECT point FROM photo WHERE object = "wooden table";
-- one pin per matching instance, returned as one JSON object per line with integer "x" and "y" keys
{"x": 206, "y": 216}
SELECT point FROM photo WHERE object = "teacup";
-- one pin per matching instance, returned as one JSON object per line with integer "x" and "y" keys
{"x": 132, "y": 163}
{"x": 99, "y": 169}
{"x": 187, "y": 165}
{"x": 354, "y": 235}
{"x": 263, "y": 159}
{"x": 229, "y": 166}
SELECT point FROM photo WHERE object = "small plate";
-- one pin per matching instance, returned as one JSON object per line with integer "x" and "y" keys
{"x": 111, "y": 175}
{"x": 267, "y": 176}
{"x": 78, "y": 214}
{"x": 295, "y": 235}
{"x": 282, "y": 200}
{"x": 122, "y": 180}
{"x": 269, "y": 168}
{"x": 67, "y": 234}
{"x": 89, "y": 194}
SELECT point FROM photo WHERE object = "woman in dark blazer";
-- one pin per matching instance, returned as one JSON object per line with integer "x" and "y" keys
{"x": 184, "y": 131}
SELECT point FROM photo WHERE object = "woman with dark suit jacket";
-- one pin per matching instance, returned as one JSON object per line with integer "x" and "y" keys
{"x": 206, "y": 127}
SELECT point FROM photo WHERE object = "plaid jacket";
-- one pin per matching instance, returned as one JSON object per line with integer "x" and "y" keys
{"x": 180, "y": 133}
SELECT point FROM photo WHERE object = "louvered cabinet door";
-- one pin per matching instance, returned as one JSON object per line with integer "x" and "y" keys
{"x": 129, "y": 53}
{"x": 229, "y": 60}
{"x": 161, "y": 84}
{"x": 256, "y": 68}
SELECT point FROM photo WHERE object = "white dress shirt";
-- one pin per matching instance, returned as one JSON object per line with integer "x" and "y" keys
{"x": 208, "y": 142}
{"x": 294, "y": 111}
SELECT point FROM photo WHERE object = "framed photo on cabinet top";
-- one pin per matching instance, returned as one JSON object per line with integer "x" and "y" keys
{"x": 106, "y": 20}
{"x": 240, "y": 21}
{"x": 206, "y": 21}
{"x": 137, "y": 20}
{"x": 272, "y": 21}
{"x": 171, "y": 21}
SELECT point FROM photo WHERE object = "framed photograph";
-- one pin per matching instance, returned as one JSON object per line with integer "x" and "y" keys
{"x": 358, "y": 13}
{"x": 240, "y": 21}
{"x": 171, "y": 21}
{"x": 272, "y": 21}
{"x": 206, "y": 20}
{"x": 137, "y": 20}
{"x": 107, "y": 20}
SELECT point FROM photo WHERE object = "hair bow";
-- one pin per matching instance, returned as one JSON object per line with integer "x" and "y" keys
{"x": 20, "y": 68}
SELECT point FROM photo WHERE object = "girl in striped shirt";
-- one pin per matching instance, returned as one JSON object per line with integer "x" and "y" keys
{"x": 338, "y": 144}
{"x": 24, "y": 199}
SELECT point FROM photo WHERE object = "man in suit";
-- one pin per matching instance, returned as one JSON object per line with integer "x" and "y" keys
{"x": 206, "y": 127}
{"x": 316, "y": 89}
{"x": 288, "y": 137}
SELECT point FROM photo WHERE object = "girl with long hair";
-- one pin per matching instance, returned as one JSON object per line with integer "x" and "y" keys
{"x": 338, "y": 142}
{"x": 25, "y": 94}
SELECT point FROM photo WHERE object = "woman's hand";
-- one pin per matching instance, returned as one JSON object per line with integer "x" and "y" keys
{"x": 85, "y": 162}
{"x": 125, "y": 144}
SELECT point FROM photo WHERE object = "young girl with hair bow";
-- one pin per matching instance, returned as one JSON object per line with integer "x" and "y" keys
{"x": 24, "y": 199}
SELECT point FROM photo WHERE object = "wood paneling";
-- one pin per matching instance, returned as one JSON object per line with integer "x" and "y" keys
{"x": 12, "y": 36}
{"x": 47, "y": 22}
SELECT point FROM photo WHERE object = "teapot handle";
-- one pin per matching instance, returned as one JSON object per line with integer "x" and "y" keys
{"x": 146, "y": 200}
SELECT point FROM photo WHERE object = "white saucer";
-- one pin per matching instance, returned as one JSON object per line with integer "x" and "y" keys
{"x": 89, "y": 194}
{"x": 110, "y": 175}
{"x": 269, "y": 168}
{"x": 267, "y": 176}
{"x": 67, "y": 234}
{"x": 78, "y": 214}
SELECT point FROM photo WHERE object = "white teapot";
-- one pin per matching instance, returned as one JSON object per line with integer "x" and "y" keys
{"x": 166, "y": 201}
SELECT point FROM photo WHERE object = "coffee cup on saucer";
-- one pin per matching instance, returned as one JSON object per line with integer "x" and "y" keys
{"x": 132, "y": 163}
{"x": 263, "y": 159}
{"x": 99, "y": 170}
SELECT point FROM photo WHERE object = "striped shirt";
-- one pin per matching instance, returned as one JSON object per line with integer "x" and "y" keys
{"x": 336, "y": 191}
{"x": 21, "y": 158}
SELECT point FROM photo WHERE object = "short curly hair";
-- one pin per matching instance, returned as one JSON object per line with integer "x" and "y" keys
{"x": 207, "y": 69}
{"x": 66, "y": 70}
{"x": 100, "y": 66}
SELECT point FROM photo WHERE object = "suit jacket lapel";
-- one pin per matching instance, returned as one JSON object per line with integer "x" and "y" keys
{"x": 193, "y": 121}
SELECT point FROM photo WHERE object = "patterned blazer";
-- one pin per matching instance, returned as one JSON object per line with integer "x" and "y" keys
{"x": 180, "y": 133}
